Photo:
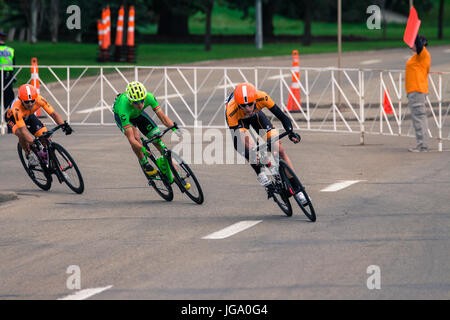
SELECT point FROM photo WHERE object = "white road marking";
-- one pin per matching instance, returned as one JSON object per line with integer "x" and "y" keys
{"x": 447, "y": 50}
{"x": 285, "y": 75}
{"x": 339, "y": 185}
{"x": 175, "y": 95}
{"x": 226, "y": 86}
{"x": 92, "y": 109}
{"x": 233, "y": 229}
{"x": 86, "y": 293}
{"x": 367, "y": 62}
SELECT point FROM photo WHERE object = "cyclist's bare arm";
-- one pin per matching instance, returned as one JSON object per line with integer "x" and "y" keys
{"x": 164, "y": 118}
{"x": 58, "y": 119}
{"x": 132, "y": 135}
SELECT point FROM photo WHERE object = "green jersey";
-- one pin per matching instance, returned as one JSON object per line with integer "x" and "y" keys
{"x": 126, "y": 111}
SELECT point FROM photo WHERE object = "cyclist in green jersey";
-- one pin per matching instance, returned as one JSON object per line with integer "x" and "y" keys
{"x": 130, "y": 116}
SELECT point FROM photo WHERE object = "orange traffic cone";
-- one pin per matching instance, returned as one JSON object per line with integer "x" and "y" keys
{"x": 294, "y": 103}
{"x": 131, "y": 52}
{"x": 119, "y": 52}
{"x": 387, "y": 104}
{"x": 35, "y": 83}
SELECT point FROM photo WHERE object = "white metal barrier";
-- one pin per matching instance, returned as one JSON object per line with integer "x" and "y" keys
{"x": 332, "y": 99}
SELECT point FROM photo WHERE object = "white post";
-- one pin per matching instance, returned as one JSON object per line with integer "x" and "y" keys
{"x": 307, "y": 100}
{"x": 101, "y": 95}
{"x": 195, "y": 98}
{"x": 258, "y": 32}
{"x": 440, "y": 114}
{"x": 68, "y": 94}
{"x": 361, "y": 106}
{"x": 333, "y": 99}
{"x": 2, "y": 125}
{"x": 166, "y": 101}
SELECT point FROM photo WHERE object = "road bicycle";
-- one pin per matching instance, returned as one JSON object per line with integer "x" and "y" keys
{"x": 52, "y": 159}
{"x": 171, "y": 169}
{"x": 281, "y": 189}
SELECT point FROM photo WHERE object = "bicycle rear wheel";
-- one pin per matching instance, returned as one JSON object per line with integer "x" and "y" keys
{"x": 68, "y": 169}
{"x": 185, "y": 173}
{"x": 160, "y": 183}
{"x": 39, "y": 174}
{"x": 308, "y": 208}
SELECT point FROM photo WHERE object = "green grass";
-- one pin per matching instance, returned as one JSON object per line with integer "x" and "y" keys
{"x": 168, "y": 54}
{"x": 225, "y": 21}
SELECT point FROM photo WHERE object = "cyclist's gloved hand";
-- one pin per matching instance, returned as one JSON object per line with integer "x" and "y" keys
{"x": 67, "y": 129}
{"x": 294, "y": 137}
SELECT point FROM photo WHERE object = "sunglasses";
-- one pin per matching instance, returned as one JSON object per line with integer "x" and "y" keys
{"x": 139, "y": 101}
{"x": 29, "y": 102}
{"x": 247, "y": 105}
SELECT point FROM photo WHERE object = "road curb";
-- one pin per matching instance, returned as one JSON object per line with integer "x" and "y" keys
{"x": 7, "y": 196}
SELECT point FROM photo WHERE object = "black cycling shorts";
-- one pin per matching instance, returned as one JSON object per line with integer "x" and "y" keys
{"x": 144, "y": 123}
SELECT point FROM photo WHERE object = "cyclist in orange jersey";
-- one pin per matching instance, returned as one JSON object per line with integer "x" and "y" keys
{"x": 244, "y": 109}
{"x": 22, "y": 121}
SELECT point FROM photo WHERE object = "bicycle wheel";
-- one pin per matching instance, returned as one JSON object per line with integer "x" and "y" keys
{"x": 68, "y": 169}
{"x": 160, "y": 183}
{"x": 276, "y": 190}
{"x": 308, "y": 208}
{"x": 185, "y": 173}
{"x": 39, "y": 174}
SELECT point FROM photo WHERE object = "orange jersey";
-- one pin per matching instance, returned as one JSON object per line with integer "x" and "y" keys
{"x": 416, "y": 75}
{"x": 234, "y": 113}
{"x": 20, "y": 112}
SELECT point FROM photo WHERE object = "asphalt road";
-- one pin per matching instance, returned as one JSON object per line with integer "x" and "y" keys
{"x": 128, "y": 241}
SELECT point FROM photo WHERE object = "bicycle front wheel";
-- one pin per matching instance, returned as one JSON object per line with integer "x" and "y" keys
{"x": 307, "y": 208}
{"x": 39, "y": 174}
{"x": 68, "y": 169}
{"x": 160, "y": 183}
{"x": 277, "y": 191}
{"x": 187, "y": 176}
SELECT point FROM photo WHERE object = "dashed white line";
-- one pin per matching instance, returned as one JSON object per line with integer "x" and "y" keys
{"x": 86, "y": 293}
{"x": 233, "y": 229}
{"x": 226, "y": 86}
{"x": 285, "y": 75}
{"x": 367, "y": 62}
{"x": 339, "y": 185}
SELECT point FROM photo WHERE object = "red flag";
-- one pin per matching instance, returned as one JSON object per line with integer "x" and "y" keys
{"x": 412, "y": 28}
{"x": 387, "y": 104}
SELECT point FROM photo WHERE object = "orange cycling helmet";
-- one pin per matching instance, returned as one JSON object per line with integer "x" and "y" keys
{"x": 27, "y": 92}
{"x": 244, "y": 93}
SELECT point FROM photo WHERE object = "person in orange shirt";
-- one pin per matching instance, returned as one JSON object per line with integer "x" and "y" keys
{"x": 24, "y": 124}
{"x": 416, "y": 82}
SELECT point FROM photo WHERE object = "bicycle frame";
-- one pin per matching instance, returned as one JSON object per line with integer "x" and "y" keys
{"x": 166, "y": 156}
{"x": 51, "y": 153}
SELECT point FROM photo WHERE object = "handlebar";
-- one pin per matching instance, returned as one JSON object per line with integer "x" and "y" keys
{"x": 49, "y": 133}
{"x": 159, "y": 135}
{"x": 271, "y": 140}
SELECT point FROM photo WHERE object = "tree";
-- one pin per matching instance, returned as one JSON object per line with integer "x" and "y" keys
{"x": 441, "y": 20}
{"x": 208, "y": 8}
{"x": 269, "y": 9}
{"x": 54, "y": 19}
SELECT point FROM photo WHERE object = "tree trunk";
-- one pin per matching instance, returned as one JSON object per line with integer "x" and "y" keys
{"x": 34, "y": 12}
{"x": 54, "y": 19}
{"x": 268, "y": 9}
{"x": 208, "y": 25}
{"x": 441, "y": 20}
{"x": 307, "y": 37}
{"x": 172, "y": 24}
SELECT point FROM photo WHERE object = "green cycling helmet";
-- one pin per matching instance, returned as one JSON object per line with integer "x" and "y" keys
{"x": 136, "y": 91}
